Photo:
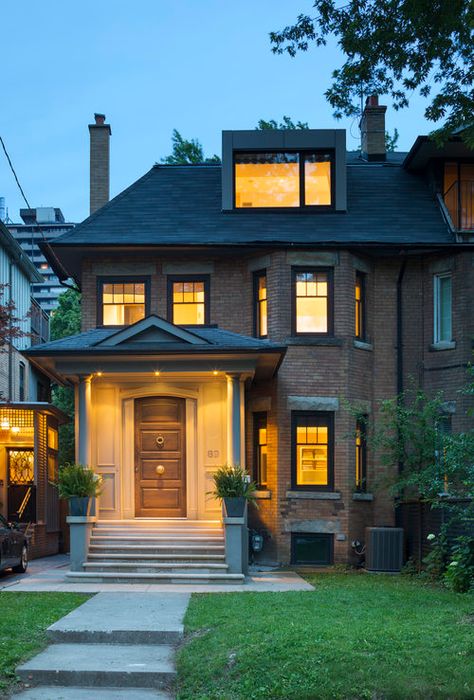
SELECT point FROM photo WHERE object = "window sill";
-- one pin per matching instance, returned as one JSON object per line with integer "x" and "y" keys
{"x": 443, "y": 345}
{"x": 315, "y": 495}
{"x": 313, "y": 340}
{"x": 361, "y": 496}
{"x": 363, "y": 345}
{"x": 263, "y": 494}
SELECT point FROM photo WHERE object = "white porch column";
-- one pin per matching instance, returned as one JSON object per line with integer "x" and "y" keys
{"x": 234, "y": 424}
{"x": 84, "y": 414}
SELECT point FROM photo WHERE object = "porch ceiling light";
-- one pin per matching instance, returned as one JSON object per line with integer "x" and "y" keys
{"x": 215, "y": 372}
{"x": 98, "y": 374}
{"x": 157, "y": 373}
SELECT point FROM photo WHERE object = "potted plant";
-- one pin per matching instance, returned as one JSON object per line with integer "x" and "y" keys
{"x": 79, "y": 484}
{"x": 233, "y": 486}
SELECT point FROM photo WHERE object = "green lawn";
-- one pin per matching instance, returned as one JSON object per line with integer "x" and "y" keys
{"x": 24, "y": 618}
{"x": 355, "y": 636}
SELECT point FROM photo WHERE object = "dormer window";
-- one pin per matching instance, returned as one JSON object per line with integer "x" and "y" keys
{"x": 282, "y": 179}
{"x": 458, "y": 193}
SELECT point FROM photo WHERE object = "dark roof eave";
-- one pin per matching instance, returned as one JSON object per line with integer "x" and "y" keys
{"x": 110, "y": 352}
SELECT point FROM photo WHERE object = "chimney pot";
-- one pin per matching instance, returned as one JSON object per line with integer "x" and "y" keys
{"x": 372, "y": 128}
{"x": 99, "y": 162}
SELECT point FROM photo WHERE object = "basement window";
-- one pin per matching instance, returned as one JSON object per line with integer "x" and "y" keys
{"x": 312, "y": 548}
{"x": 282, "y": 179}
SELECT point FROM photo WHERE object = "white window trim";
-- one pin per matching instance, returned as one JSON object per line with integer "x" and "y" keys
{"x": 437, "y": 307}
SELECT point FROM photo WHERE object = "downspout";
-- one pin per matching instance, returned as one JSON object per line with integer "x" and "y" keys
{"x": 10, "y": 339}
{"x": 401, "y": 274}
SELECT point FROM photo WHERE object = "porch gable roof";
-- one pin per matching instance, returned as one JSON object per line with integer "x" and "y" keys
{"x": 150, "y": 330}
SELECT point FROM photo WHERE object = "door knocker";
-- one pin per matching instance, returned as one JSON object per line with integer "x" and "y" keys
{"x": 160, "y": 441}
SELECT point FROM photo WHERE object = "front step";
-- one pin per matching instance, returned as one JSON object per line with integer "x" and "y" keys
{"x": 159, "y": 549}
{"x": 123, "y": 556}
{"x": 155, "y": 567}
{"x": 101, "y": 665}
{"x": 149, "y": 578}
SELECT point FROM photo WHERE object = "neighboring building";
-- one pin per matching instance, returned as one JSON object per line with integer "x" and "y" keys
{"x": 39, "y": 224}
{"x": 229, "y": 311}
{"x": 28, "y": 422}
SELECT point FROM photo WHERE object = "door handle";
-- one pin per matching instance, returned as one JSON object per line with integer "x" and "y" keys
{"x": 160, "y": 469}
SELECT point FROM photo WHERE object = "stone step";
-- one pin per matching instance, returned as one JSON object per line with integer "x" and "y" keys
{"x": 147, "y": 522}
{"x": 101, "y": 665}
{"x": 124, "y": 556}
{"x": 155, "y": 567}
{"x": 148, "y": 578}
{"x": 151, "y": 532}
{"x": 157, "y": 549}
{"x": 148, "y": 539}
{"x": 76, "y": 693}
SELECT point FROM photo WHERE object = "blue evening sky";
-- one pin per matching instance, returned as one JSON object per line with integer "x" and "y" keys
{"x": 150, "y": 65}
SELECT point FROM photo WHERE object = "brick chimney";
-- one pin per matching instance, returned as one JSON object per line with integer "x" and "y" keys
{"x": 100, "y": 133}
{"x": 372, "y": 129}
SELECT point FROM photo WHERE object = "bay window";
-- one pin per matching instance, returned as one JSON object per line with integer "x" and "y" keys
{"x": 312, "y": 301}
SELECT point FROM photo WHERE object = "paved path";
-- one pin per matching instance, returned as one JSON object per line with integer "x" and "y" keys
{"x": 115, "y": 645}
{"x": 49, "y": 574}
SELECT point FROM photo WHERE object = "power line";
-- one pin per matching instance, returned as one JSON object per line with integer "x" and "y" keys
{"x": 14, "y": 173}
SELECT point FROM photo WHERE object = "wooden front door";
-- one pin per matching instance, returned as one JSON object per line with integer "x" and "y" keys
{"x": 160, "y": 458}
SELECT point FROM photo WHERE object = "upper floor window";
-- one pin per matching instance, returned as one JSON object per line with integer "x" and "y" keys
{"x": 313, "y": 447}
{"x": 260, "y": 304}
{"x": 442, "y": 294}
{"x": 21, "y": 381}
{"x": 312, "y": 290}
{"x": 360, "y": 306}
{"x": 458, "y": 192}
{"x": 188, "y": 300}
{"x": 122, "y": 302}
{"x": 260, "y": 449}
{"x": 282, "y": 179}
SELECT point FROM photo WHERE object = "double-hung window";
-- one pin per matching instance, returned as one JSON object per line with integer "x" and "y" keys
{"x": 312, "y": 301}
{"x": 260, "y": 304}
{"x": 188, "y": 300}
{"x": 313, "y": 450}
{"x": 260, "y": 449}
{"x": 283, "y": 179}
{"x": 359, "y": 330}
{"x": 442, "y": 294}
{"x": 122, "y": 301}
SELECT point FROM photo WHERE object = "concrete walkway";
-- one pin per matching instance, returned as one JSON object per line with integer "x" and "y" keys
{"x": 115, "y": 645}
{"x": 49, "y": 574}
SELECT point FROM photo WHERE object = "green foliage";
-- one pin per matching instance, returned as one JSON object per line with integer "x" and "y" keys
{"x": 187, "y": 152}
{"x": 459, "y": 574}
{"x": 286, "y": 123}
{"x": 391, "y": 141}
{"x": 66, "y": 319}
{"x": 394, "y": 47}
{"x": 78, "y": 481}
{"x": 354, "y": 636}
{"x": 24, "y": 619}
{"x": 233, "y": 481}
{"x": 435, "y": 561}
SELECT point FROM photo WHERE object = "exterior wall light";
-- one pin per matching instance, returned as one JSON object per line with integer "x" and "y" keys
{"x": 5, "y": 425}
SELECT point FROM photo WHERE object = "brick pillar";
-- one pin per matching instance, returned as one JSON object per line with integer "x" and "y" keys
{"x": 100, "y": 133}
{"x": 372, "y": 129}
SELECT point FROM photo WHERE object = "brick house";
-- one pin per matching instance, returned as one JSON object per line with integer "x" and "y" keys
{"x": 229, "y": 310}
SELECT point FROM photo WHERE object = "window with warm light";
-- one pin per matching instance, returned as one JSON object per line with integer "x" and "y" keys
{"x": 312, "y": 301}
{"x": 122, "y": 302}
{"x": 313, "y": 446}
{"x": 361, "y": 455}
{"x": 188, "y": 301}
{"x": 458, "y": 194}
{"x": 360, "y": 306}
{"x": 282, "y": 179}
{"x": 260, "y": 449}
{"x": 260, "y": 304}
{"x": 442, "y": 296}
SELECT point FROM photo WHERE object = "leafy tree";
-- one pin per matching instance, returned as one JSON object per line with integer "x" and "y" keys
{"x": 11, "y": 326}
{"x": 286, "y": 123}
{"x": 395, "y": 47}
{"x": 391, "y": 141}
{"x": 187, "y": 152}
{"x": 65, "y": 321}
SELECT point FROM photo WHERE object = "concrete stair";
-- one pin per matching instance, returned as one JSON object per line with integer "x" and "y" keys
{"x": 156, "y": 551}
{"x": 116, "y": 645}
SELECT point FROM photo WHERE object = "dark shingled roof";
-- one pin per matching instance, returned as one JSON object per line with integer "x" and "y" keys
{"x": 181, "y": 205}
{"x": 213, "y": 339}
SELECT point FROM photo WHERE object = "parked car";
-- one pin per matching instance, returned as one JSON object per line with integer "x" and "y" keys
{"x": 13, "y": 547}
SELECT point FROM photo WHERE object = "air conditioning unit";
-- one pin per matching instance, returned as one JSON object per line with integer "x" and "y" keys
{"x": 384, "y": 549}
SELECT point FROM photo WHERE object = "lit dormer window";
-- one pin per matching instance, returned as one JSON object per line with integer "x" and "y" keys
{"x": 282, "y": 179}
{"x": 458, "y": 192}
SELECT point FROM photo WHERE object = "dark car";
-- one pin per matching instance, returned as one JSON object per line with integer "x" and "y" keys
{"x": 13, "y": 548}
